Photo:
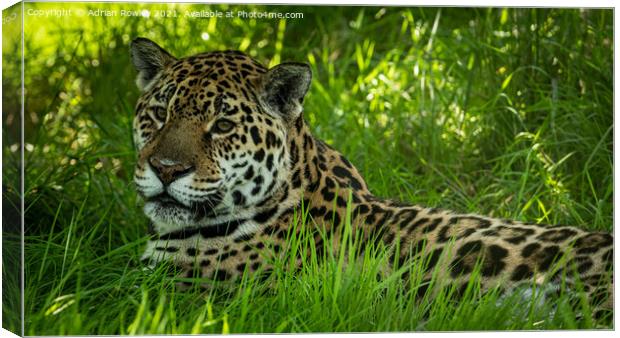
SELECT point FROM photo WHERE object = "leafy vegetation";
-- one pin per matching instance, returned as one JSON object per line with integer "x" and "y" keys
{"x": 505, "y": 112}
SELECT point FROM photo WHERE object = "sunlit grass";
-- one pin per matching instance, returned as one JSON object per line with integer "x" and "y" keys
{"x": 501, "y": 112}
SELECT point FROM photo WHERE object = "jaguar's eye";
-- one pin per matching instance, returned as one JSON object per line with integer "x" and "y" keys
{"x": 161, "y": 113}
{"x": 222, "y": 126}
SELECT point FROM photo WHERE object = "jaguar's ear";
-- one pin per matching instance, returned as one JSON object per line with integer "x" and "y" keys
{"x": 149, "y": 60}
{"x": 284, "y": 87}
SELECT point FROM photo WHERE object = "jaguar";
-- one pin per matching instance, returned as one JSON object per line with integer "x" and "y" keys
{"x": 226, "y": 162}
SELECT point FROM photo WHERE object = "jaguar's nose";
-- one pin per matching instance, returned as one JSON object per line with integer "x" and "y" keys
{"x": 169, "y": 170}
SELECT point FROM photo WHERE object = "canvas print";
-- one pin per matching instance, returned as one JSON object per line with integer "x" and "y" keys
{"x": 247, "y": 168}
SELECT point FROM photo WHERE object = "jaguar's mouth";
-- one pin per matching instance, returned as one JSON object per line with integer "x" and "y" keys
{"x": 165, "y": 200}
{"x": 167, "y": 205}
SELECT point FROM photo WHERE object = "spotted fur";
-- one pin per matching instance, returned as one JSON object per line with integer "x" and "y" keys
{"x": 225, "y": 158}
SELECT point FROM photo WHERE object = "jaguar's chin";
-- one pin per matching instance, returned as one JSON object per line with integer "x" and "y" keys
{"x": 168, "y": 215}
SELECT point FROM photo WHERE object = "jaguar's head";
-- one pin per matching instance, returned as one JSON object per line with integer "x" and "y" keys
{"x": 211, "y": 133}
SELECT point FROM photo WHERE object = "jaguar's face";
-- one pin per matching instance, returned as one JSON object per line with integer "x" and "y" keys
{"x": 210, "y": 131}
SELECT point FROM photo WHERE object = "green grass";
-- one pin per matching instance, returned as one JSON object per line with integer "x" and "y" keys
{"x": 501, "y": 112}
